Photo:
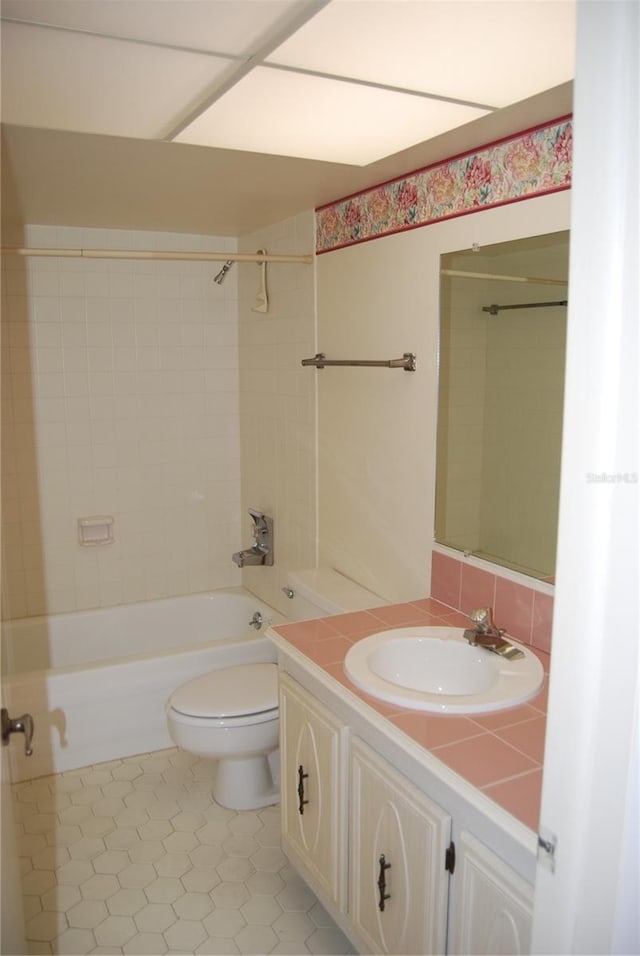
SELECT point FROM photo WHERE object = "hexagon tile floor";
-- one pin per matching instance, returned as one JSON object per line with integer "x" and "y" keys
{"x": 133, "y": 856}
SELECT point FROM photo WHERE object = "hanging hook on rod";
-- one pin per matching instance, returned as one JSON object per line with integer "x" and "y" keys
{"x": 262, "y": 302}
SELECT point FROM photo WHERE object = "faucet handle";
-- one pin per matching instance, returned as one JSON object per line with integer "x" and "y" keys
{"x": 263, "y": 534}
{"x": 482, "y": 617}
{"x": 260, "y": 523}
{"x": 483, "y": 620}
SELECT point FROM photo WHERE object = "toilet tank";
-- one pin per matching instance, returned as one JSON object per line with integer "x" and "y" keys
{"x": 319, "y": 592}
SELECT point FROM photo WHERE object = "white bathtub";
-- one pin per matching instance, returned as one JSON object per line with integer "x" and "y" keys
{"x": 96, "y": 682}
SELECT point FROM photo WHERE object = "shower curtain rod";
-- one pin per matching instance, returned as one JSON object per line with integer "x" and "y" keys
{"x": 158, "y": 254}
{"x": 488, "y": 275}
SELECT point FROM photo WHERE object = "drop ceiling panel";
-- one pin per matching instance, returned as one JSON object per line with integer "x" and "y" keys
{"x": 221, "y": 26}
{"x": 74, "y": 179}
{"x": 299, "y": 115}
{"x": 492, "y": 52}
{"x": 64, "y": 85}
{"x": 61, "y": 80}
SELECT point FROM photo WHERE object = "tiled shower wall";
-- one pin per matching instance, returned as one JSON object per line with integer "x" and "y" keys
{"x": 119, "y": 397}
{"x": 278, "y": 403}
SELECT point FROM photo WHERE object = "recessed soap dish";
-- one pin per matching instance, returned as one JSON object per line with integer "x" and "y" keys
{"x": 96, "y": 529}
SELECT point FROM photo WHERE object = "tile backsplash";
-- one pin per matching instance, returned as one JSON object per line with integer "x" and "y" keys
{"x": 525, "y": 613}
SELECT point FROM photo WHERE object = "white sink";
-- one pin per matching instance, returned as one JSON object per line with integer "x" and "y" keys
{"x": 436, "y": 669}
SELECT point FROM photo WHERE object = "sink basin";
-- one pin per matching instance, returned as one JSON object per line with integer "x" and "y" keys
{"x": 436, "y": 669}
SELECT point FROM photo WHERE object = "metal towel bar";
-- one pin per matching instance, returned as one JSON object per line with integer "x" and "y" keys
{"x": 407, "y": 362}
{"x": 494, "y": 309}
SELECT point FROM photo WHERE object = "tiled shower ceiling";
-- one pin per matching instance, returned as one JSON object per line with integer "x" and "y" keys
{"x": 346, "y": 81}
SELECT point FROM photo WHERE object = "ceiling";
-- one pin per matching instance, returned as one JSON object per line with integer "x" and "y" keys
{"x": 223, "y": 116}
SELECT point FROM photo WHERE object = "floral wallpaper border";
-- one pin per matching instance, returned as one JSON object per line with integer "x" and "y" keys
{"x": 531, "y": 163}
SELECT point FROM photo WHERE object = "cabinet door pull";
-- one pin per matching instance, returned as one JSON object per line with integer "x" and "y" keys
{"x": 302, "y": 776}
{"x": 382, "y": 882}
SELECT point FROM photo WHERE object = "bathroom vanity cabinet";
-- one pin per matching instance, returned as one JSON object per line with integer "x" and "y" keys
{"x": 403, "y": 862}
{"x": 398, "y": 840}
{"x": 312, "y": 745}
{"x": 493, "y": 908}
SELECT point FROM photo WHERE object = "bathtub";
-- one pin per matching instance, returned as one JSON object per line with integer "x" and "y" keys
{"x": 96, "y": 682}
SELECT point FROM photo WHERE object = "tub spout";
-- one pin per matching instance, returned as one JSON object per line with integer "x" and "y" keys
{"x": 250, "y": 556}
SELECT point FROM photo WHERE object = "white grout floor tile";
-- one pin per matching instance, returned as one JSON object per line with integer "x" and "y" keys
{"x": 134, "y": 857}
{"x": 87, "y": 914}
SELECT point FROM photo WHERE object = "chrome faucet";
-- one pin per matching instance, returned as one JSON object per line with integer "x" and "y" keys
{"x": 485, "y": 634}
{"x": 262, "y": 550}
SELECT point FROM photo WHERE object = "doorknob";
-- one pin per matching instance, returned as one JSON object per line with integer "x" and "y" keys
{"x": 18, "y": 725}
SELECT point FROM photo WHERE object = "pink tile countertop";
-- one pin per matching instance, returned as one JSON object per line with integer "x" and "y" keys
{"x": 501, "y": 752}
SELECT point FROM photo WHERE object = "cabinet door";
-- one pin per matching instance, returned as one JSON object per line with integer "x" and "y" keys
{"x": 312, "y": 798}
{"x": 493, "y": 905}
{"x": 398, "y": 884}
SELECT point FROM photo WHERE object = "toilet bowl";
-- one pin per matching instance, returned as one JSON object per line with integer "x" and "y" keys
{"x": 231, "y": 715}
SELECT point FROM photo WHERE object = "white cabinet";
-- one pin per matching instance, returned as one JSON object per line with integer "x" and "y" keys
{"x": 377, "y": 850}
{"x": 398, "y": 881}
{"x": 312, "y": 789}
{"x": 493, "y": 908}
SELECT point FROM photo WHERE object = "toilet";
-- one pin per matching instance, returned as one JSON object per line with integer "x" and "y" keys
{"x": 231, "y": 715}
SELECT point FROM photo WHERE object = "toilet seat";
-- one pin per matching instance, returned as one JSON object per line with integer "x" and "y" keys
{"x": 236, "y": 696}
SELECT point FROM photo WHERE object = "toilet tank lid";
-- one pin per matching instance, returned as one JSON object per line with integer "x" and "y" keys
{"x": 230, "y": 692}
{"x": 332, "y": 591}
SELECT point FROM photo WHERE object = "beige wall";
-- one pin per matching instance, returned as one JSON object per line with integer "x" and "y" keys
{"x": 377, "y": 427}
{"x": 278, "y": 405}
{"x": 120, "y": 397}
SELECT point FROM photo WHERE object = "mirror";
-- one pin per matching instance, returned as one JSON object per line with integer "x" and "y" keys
{"x": 500, "y": 397}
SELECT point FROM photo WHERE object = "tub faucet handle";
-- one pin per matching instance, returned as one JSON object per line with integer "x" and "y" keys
{"x": 20, "y": 725}
{"x": 263, "y": 535}
{"x": 260, "y": 524}
{"x": 262, "y": 550}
